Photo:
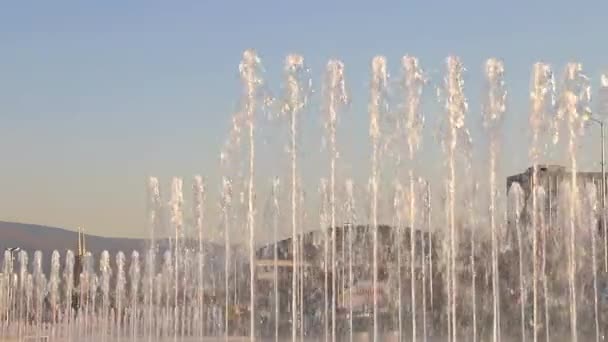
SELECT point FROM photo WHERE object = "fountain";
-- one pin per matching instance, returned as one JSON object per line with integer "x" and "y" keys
{"x": 406, "y": 256}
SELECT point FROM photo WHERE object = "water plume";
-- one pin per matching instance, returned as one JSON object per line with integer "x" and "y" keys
{"x": 177, "y": 222}
{"x": 516, "y": 199}
{"x": 54, "y": 283}
{"x": 297, "y": 89}
{"x": 493, "y": 111}
{"x": 542, "y": 101}
{"x": 226, "y": 205}
{"x": 591, "y": 208}
{"x": 414, "y": 83}
{"x": 275, "y": 230}
{"x": 134, "y": 279}
{"x": 336, "y": 97}
{"x": 68, "y": 276}
{"x": 198, "y": 190}
{"x": 573, "y": 104}
{"x": 120, "y": 290}
{"x": 398, "y": 208}
{"x": 377, "y": 89}
{"x": 251, "y": 80}
{"x": 456, "y": 106}
{"x": 351, "y": 220}
{"x": 106, "y": 274}
{"x": 323, "y": 224}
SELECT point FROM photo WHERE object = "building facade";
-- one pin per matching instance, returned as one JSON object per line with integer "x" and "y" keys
{"x": 552, "y": 179}
{"x": 349, "y": 271}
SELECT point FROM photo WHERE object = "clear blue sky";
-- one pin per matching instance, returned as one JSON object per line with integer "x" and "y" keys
{"x": 96, "y": 96}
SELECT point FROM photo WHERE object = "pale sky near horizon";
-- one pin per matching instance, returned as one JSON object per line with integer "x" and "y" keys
{"x": 97, "y": 96}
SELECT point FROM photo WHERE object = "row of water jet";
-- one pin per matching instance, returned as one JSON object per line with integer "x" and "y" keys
{"x": 92, "y": 315}
{"x": 556, "y": 304}
{"x": 42, "y": 308}
{"x": 171, "y": 290}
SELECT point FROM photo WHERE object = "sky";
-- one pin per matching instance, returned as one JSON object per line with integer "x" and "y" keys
{"x": 97, "y": 96}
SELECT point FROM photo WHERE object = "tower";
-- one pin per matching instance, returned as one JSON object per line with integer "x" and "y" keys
{"x": 80, "y": 253}
{"x": 78, "y": 266}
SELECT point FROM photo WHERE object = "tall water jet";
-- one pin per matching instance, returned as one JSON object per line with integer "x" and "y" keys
{"x": 167, "y": 274}
{"x": 68, "y": 276}
{"x": 474, "y": 250}
{"x": 23, "y": 275}
{"x": 335, "y": 92}
{"x": 226, "y": 205}
{"x": 414, "y": 83}
{"x": 427, "y": 247}
{"x": 91, "y": 314}
{"x": 323, "y": 223}
{"x": 456, "y": 107}
{"x": 106, "y": 274}
{"x": 199, "y": 215}
{"x": 591, "y": 210}
{"x": 54, "y": 281}
{"x": 154, "y": 210}
{"x": 398, "y": 204}
{"x": 177, "y": 222}
{"x": 120, "y": 290}
{"x": 84, "y": 286}
{"x": 39, "y": 288}
{"x": 603, "y": 113}
{"x": 351, "y": 219}
{"x": 154, "y": 225}
{"x": 275, "y": 232}
{"x": 297, "y": 87}
{"x": 249, "y": 70}
{"x": 542, "y": 101}
{"x": 8, "y": 291}
{"x": 147, "y": 287}
{"x": 574, "y": 104}
{"x": 546, "y": 220}
{"x": 516, "y": 199}
{"x": 134, "y": 278}
{"x": 186, "y": 280}
{"x": 29, "y": 298}
{"x": 493, "y": 111}
{"x": 377, "y": 88}
{"x": 301, "y": 217}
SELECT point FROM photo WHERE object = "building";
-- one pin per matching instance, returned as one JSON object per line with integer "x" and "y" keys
{"x": 81, "y": 251}
{"x": 550, "y": 178}
{"x": 350, "y": 269}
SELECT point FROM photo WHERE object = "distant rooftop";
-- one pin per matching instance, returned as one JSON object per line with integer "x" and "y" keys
{"x": 548, "y": 171}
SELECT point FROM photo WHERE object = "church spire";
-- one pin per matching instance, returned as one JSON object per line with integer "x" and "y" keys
{"x": 84, "y": 243}
{"x": 79, "y": 241}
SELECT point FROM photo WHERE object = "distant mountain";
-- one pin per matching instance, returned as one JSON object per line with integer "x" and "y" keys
{"x": 31, "y": 238}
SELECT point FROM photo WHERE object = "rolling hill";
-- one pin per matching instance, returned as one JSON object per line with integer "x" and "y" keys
{"x": 31, "y": 238}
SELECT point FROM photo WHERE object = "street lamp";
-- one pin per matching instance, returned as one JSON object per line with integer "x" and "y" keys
{"x": 588, "y": 116}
